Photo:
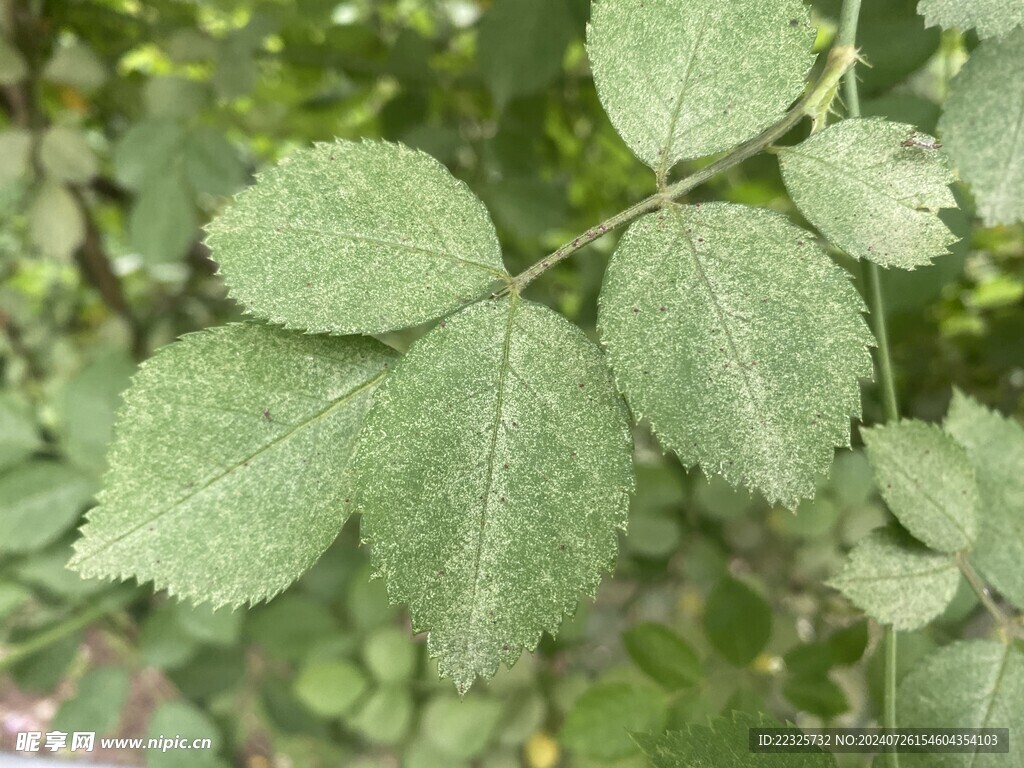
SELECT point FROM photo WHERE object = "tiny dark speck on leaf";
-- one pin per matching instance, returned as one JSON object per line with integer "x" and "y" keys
{"x": 561, "y": 547}
{"x": 504, "y": 466}
{"x": 515, "y": 423}
{"x": 266, "y": 414}
{"x": 504, "y": 647}
{"x": 794, "y": 22}
{"x": 636, "y": 309}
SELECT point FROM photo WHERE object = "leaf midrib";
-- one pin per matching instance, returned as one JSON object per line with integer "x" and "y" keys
{"x": 665, "y": 163}
{"x": 845, "y": 172}
{"x": 495, "y": 424}
{"x": 179, "y": 503}
{"x": 359, "y": 238}
{"x": 992, "y": 696}
{"x": 925, "y": 493}
{"x": 759, "y": 406}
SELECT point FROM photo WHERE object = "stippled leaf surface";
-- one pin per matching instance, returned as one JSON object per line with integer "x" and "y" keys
{"x": 928, "y": 482}
{"x": 739, "y": 340}
{"x": 668, "y": 75}
{"x": 723, "y": 744}
{"x": 493, "y": 475}
{"x": 356, "y": 238}
{"x": 969, "y": 684}
{"x": 874, "y": 188}
{"x": 224, "y": 471}
{"x": 982, "y": 127}
{"x": 990, "y": 18}
{"x": 896, "y": 580}
{"x": 995, "y": 446}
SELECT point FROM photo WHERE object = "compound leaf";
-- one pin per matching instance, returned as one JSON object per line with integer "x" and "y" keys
{"x": 874, "y": 188}
{"x": 223, "y": 481}
{"x": 969, "y": 684}
{"x": 493, "y": 474}
{"x": 739, "y": 340}
{"x": 927, "y": 481}
{"x": 668, "y": 74}
{"x": 356, "y": 238}
{"x": 989, "y": 17}
{"x": 995, "y": 447}
{"x": 896, "y": 580}
{"x": 722, "y": 743}
{"x": 981, "y": 127}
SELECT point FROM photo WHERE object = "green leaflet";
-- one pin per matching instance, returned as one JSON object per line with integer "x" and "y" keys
{"x": 356, "y": 238}
{"x": 995, "y": 446}
{"x": 989, "y": 17}
{"x": 493, "y": 473}
{"x": 65, "y": 155}
{"x": 982, "y": 131}
{"x": 737, "y": 621}
{"x": 224, "y": 471}
{"x": 55, "y": 223}
{"x": 927, "y": 481}
{"x": 897, "y": 581}
{"x": 601, "y": 720}
{"x": 163, "y": 222}
{"x": 669, "y": 77}
{"x": 969, "y": 684}
{"x": 521, "y": 44}
{"x": 664, "y": 656}
{"x": 739, "y": 340}
{"x": 17, "y": 425}
{"x": 874, "y": 188}
{"x": 39, "y": 500}
{"x": 723, "y": 744}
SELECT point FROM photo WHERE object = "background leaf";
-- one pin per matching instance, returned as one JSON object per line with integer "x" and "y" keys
{"x": 897, "y": 581}
{"x": 520, "y": 45}
{"x": 65, "y": 154}
{"x": 602, "y": 719}
{"x": 356, "y": 238}
{"x": 500, "y": 502}
{"x": 40, "y": 500}
{"x": 228, "y": 491}
{"x": 969, "y": 684}
{"x": 663, "y": 655}
{"x": 927, "y": 481}
{"x": 737, "y": 621}
{"x": 990, "y": 17}
{"x": 20, "y": 435}
{"x": 723, "y": 744}
{"x": 874, "y": 189}
{"x": 995, "y": 447}
{"x": 980, "y": 127}
{"x": 739, "y": 340}
{"x": 667, "y": 75}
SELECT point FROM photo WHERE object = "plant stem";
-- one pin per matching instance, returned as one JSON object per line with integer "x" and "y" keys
{"x": 1007, "y": 624}
{"x": 48, "y": 637}
{"x": 840, "y": 59}
{"x": 847, "y": 35}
